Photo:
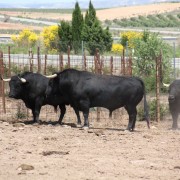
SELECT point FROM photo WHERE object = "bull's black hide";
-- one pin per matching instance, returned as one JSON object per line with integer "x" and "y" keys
{"x": 174, "y": 101}
{"x": 31, "y": 87}
{"x": 83, "y": 90}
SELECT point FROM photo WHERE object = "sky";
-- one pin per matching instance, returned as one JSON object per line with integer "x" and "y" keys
{"x": 71, "y": 3}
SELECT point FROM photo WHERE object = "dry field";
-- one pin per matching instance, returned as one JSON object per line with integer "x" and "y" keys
{"x": 110, "y": 14}
{"x": 104, "y": 152}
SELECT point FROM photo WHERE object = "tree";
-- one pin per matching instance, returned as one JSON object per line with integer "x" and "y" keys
{"x": 147, "y": 49}
{"x": 65, "y": 35}
{"x": 93, "y": 34}
{"x": 77, "y": 25}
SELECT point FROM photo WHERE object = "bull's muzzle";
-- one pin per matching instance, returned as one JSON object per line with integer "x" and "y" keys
{"x": 171, "y": 98}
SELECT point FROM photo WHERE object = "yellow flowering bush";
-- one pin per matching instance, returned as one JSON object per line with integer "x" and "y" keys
{"x": 50, "y": 37}
{"x": 128, "y": 37}
{"x": 25, "y": 38}
{"x": 117, "y": 48}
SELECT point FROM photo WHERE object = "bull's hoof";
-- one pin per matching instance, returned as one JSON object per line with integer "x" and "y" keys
{"x": 78, "y": 125}
{"x": 174, "y": 128}
{"x": 84, "y": 128}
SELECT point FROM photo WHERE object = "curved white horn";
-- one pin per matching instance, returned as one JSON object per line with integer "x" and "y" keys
{"x": 22, "y": 80}
{"x": 6, "y": 80}
{"x": 51, "y": 76}
{"x": 166, "y": 85}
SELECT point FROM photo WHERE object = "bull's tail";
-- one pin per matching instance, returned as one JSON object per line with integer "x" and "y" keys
{"x": 146, "y": 111}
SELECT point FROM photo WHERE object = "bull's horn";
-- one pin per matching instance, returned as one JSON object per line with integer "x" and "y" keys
{"x": 51, "y": 76}
{"x": 166, "y": 85}
{"x": 6, "y": 80}
{"x": 22, "y": 79}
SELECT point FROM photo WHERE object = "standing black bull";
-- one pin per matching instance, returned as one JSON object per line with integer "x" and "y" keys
{"x": 31, "y": 87}
{"x": 174, "y": 101}
{"x": 84, "y": 90}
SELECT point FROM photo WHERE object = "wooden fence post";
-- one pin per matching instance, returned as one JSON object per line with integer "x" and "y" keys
{"x": 98, "y": 71}
{"x": 2, "y": 82}
{"x": 158, "y": 60}
{"x": 123, "y": 63}
{"x": 9, "y": 57}
{"x": 61, "y": 62}
{"x": 39, "y": 60}
{"x": 111, "y": 65}
{"x": 31, "y": 60}
{"x": 45, "y": 63}
{"x": 69, "y": 65}
{"x": 85, "y": 62}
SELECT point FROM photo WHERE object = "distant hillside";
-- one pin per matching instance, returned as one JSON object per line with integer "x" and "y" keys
{"x": 83, "y": 4}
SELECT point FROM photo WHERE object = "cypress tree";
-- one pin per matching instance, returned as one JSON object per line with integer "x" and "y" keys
{"x": 77, "y": 25}
{"x": 65, "y": 35}
{"x": 93, "y": 34}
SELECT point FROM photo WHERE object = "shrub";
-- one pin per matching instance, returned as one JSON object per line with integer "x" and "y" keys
{"x": 117, "y": 48}
{"x": 164, "y": 110}
{"x": 25, "y": 38}
{"x": 50, "y": 38}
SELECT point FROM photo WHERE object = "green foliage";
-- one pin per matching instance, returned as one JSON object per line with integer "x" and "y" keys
{"x": 156, "y": 20}
{"x": 152, "y": 104}
{"x": 77, "y": 25}
{"x": 65, "y": 35}
{"x": 20, "y": 114}
{"x": 51, "y": 69}
{"x": 93, "y": 34}
{"x": 147, "y": 49}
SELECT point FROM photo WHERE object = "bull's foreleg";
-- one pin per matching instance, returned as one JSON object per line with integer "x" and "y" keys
{"x": 35, "y": 113}
{"x": 37, "y": 109}
{"x": 132, "y": 112}
{"x": 86, "y": 115}
{"x": 63, "y": 111}
{"x": 175, "y": 118}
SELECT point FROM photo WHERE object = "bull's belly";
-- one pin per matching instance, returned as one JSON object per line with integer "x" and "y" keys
{"x": 111, "y": 105}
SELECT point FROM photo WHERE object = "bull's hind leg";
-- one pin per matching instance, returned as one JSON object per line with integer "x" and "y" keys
{"x": 63, "y": 111}
{"x": 132, "y": 112}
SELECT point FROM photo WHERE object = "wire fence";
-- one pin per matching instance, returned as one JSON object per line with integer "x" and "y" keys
{"x": 11, "y": 64}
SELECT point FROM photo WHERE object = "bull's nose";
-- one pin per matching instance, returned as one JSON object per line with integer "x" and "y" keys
{"x": 11, "y": 95}
{"x": 171, "y": 98}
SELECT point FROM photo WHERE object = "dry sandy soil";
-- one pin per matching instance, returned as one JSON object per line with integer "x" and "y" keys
{"x": 110, "y": 14}
{"x": 105, "y": 151}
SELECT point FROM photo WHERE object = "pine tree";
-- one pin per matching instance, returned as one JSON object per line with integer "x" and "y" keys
{"x": 77, "y": 25}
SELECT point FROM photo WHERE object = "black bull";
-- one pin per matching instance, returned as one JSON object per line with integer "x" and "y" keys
{"x": 83, "y": 90}
{"x": 31, "y": 87}
{"x": 174, "y": 101}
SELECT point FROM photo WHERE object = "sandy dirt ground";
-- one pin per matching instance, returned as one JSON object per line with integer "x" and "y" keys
{"x": 105, "y": 151}
{"x": 105, "y": 14}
